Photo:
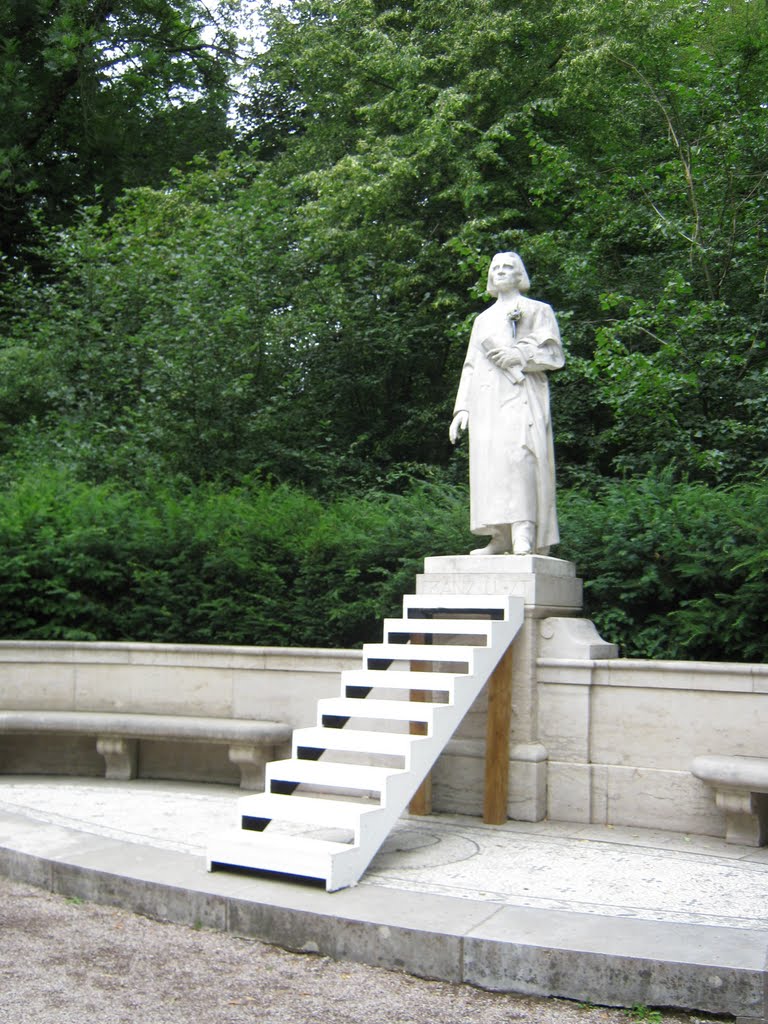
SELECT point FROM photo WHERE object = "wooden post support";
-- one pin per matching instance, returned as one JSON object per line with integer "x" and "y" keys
{"x": 421, "y": 801}
{"x": 497, "y": 742}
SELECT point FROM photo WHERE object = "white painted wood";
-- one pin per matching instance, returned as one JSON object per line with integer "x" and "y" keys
{"x": 451, "y": 602}
{"x": 419, "y": 652}
{"x": 430, "y": 627}
{"x": 325, "y": 811}
{"x": 365, "y": 778}
{"x": 287, "y": 854}
{"x": 353, "y": 740}
{"x": 441, "y": 682}
{"x": 343, "y": 864}
{"x": 386, "y": 710}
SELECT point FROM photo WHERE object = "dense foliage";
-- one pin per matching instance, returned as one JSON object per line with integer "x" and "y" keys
{"x": 270, "y": 565}
{"x": 100, "y": 95}
{"x": 294, "y": 311}
{"x": 674, "y": 570}
{"x": 252, "y": 565}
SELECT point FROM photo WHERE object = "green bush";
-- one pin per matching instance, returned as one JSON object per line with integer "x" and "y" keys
{"x": 671, "y": 570}
{"x": 255, "y": 565}
{"x": 363, "y": 554}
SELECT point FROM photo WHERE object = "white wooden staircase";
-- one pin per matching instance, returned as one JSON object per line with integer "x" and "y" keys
{"x": 327, "y": 809}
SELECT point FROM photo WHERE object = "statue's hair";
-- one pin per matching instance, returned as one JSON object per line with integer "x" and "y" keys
{"x": 525, "y": 283}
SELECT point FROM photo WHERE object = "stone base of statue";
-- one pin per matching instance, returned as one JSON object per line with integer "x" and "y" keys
{"x": 546, "y": 583}
{"x": 495, "y": 762}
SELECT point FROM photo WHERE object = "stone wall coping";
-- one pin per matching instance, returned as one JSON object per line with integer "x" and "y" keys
{"x": 733, "y": 677}
{"x": 638, "y": 665}
{"x": 605, "y": 671}
{"x": 137, "y": 653}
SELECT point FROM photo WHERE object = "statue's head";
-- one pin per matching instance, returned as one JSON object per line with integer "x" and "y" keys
{"x": 508, "y": 257}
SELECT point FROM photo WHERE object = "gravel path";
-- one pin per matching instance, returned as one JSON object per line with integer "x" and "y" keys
{"x": 67, "y": 962}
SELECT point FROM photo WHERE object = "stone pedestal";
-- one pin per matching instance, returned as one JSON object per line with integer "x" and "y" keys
{"x": 549, "y": 588}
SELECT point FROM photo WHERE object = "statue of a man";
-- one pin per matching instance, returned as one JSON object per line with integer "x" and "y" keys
{"x": 503, "y": 398}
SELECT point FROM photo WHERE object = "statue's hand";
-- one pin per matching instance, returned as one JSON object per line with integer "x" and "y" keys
{"x": 459, "y": 424}
{"x": 506, "y": 358}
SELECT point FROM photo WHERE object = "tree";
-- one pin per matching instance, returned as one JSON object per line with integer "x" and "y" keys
{"x": 303, "y": 306}
{"x": 672, "y": 166}
{"x": 605, "y": 141}
{"x": 100, "y": 95}
{"x": 149, "y": 340}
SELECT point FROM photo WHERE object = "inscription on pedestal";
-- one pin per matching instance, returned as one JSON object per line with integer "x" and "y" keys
{"x": 465, "y": 583}
{"x": 541, "y": 582}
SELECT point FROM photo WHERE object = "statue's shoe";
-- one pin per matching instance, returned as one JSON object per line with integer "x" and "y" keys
{"x": 496, "y": 547}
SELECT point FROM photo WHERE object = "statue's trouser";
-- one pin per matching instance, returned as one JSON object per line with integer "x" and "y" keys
{"x": 521, "y": 498}
{"x": 524, "y": 508}
{"x": 523, "y": 537}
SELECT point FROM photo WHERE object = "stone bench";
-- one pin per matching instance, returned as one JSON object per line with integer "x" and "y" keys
{"x": 741, "y": 792}
{"x": 251, "y": 743}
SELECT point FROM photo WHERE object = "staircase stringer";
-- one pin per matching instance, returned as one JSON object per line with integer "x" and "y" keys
{"x": 341, "y": 864}
{"x": 346, "y": 869}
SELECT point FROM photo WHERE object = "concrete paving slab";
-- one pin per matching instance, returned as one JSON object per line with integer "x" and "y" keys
{"x": 613, "y": 916}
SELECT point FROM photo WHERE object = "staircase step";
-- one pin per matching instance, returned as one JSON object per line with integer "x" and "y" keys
{"x": 419, "y": 652}
{"x": 354, "y": 740}
{"x": 273, "y": 851}
{"x": 392, "y": 710}
{"x": 305, "y": 810}
{"x": 394, "y": 680}
{"x": 458, "y": 602}
{"x": 440, "y": 682}
{"x": 364, "y": 778}
{"x": 430, "y": 627}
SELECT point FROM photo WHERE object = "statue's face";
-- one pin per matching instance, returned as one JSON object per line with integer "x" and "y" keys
{"x": 505, "y": 272}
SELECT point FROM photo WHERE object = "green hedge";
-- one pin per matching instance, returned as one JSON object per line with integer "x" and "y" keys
{"x": 256, "y": 565}
{"x": 672, "y": 570}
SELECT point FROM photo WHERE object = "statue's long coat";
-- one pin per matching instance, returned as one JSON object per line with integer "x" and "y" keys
{"x": 511, "y": 451}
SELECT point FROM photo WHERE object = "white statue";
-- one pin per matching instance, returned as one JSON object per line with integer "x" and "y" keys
{"x": 503, "y": 398}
